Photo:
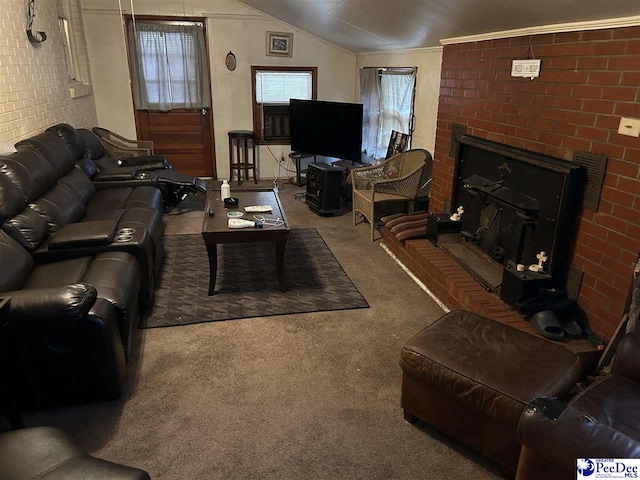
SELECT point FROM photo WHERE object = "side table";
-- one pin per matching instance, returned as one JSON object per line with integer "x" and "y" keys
{"x": 240, "y": 162}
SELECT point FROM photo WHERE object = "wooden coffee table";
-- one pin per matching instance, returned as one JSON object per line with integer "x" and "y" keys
{"x": 215, "y": 229}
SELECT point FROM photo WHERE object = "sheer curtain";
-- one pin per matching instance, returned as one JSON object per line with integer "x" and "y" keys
{"x": 387, "y": 96}
{"x": 169, "y": 67}
{"x": 370, "y": 99}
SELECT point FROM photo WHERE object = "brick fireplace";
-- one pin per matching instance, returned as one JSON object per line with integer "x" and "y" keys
{"x": 588, "y": 81}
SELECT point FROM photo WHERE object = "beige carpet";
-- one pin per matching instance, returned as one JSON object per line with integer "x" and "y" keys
{"x": 305, "y": 396}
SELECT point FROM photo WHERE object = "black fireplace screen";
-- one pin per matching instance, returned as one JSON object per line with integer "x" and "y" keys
{"x": 517, "y": 203}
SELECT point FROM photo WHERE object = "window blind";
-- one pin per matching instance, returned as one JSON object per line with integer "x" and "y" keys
{"x": 280, "y": 87}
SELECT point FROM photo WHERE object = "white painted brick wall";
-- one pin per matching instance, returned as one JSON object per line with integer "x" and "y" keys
{"x": 34, "y": 85}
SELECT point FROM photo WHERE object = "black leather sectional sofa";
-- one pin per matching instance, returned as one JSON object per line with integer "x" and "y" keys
{"x": 79, "y": 258}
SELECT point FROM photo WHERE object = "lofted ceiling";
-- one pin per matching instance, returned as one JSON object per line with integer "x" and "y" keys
{"x": 377, "y": 25}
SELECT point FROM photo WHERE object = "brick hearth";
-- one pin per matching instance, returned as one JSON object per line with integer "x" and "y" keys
{"x": 458, "y": 290}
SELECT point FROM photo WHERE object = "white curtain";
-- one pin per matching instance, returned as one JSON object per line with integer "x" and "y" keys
{"x": 395, "y": 104}
{"x": 169, "y": 66}
{"x": 387, "y": 96}
{"x": 370, "y": 99}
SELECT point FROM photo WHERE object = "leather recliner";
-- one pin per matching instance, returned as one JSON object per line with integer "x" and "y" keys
{"x": 78, "y": 261}
{"x": 150, "y": 170}
{"x": 58, "y": 192}
{"x": 602, "y": 421}
{"x": 74, "y": 240}
{"x": 47, "y": 453}
{"x": 66, "y": 325}
{"x": 128, "y": 152}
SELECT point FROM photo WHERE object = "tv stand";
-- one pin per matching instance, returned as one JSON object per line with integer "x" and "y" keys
{"x": 297, "y": 157}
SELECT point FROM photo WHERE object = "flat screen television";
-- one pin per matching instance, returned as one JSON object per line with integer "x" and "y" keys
{"x": 332, "y": 129}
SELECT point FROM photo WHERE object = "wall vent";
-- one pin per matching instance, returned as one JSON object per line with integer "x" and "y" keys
{"x": 595, "y": 167}
{"x": 574, "y": 282}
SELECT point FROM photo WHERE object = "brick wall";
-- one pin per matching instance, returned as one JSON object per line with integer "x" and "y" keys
{"x": 588, "y": 81}
{"x": 34, "y": 85}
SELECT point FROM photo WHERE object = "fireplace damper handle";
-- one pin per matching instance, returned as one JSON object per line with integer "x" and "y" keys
{"x": 505, "y": 195}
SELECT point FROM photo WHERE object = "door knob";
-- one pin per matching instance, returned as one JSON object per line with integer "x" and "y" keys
{"x": 203, "y": 111}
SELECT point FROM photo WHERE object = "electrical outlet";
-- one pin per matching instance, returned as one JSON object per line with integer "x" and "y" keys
{"x": 629, "y": 126}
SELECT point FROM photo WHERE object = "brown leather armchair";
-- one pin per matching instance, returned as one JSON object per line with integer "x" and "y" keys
{"x": 603, "y": 421}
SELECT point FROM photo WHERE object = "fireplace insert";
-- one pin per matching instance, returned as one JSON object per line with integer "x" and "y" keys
{"x": 517, "y": 203}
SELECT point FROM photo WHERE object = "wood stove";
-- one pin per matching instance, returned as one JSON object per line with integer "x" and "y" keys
{"x": 516, "y": 204}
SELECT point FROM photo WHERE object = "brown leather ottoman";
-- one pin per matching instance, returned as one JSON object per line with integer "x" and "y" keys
{"x": 472, "y": 378}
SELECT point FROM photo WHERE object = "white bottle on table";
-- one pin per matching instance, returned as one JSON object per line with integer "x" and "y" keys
{"x": 225, "y": 190}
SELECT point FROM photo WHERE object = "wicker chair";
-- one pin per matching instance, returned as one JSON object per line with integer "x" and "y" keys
{"x": 397, "y": 179}
{"x": 121, "y": 148}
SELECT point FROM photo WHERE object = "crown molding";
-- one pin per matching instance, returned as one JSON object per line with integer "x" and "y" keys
{"x": 555, "y": 28}
{"x": 102, "y": 11}
{"x": 235, "y": 16}
{"x": 401, "y": 51}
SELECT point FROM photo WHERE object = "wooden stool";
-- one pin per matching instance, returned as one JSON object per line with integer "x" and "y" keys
{"x": 241, "y": 138}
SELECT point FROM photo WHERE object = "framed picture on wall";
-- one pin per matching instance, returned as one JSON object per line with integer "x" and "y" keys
{"x": 279, "y": 44}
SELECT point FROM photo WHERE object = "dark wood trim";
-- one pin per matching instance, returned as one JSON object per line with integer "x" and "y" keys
{"x": 212, "y": 169}
{"x": 163, "y": 18}
{"x": 254, "y": 105}
{"x": 214, "y": 166}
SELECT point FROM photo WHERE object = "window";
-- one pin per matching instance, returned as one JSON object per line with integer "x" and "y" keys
{"x": 69, "y": 53}
{"x": 273, "y": 87}
{"x": 168, "y": 63}
{"x": 73, "y": 44}
{"x": 176, "y": 54}
{"x": 388, "y": 98}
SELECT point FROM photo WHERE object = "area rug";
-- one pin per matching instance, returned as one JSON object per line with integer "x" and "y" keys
{"x": 246, "y": 284}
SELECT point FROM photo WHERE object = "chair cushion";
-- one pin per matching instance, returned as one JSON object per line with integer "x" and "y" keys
{"x": 610, "y": 400}
{"x": 28, "y": 228}
{"x": 71, "y": 138}
{"x": 54, "y": 150}
{"x": 406, "y": 226}
{"x": 62, "y": 272}
{"x": 78, "y": 183}
{"x": 59, "y": 207}
{"x": 115, "y": 275}
{"x": 117, "y": 198}
{"x": 29, "y": 171}
{"x": 93, "y": 145}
